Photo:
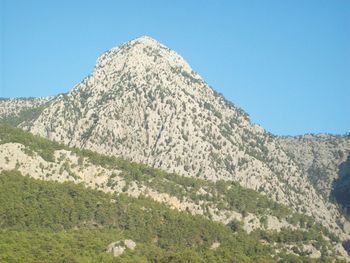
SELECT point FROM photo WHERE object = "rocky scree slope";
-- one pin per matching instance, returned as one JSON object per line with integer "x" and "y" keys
{"x": 144, "y": 102}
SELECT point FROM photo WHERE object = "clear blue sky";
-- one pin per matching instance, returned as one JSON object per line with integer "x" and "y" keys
{"x": 287, "y": 63}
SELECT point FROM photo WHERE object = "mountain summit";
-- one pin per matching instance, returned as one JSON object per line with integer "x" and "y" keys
{"x": 144, "y": 102}
{"x": 141, "y": 57}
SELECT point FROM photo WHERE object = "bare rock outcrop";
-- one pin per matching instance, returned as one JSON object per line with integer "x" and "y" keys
{"x": 117, "y": 248}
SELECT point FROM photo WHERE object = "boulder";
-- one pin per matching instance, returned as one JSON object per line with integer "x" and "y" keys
{"x": 117, "y": 248}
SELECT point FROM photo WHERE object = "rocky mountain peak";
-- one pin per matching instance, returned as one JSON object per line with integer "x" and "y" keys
{"x": 143, "y": 55}
{"x": 147, "y": 40}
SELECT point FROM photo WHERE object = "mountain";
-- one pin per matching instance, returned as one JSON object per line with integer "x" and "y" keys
{"x": 91, "y": 201}
{"x": 145, "y": 103}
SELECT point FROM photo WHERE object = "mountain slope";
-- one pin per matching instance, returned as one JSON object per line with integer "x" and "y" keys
{"x": 56, "y": 222}
{"x": 322, "y": 157}
{"x": 21, "y": 110}
{"x": 29, "y": 206}
{"x": 220, "y": 201}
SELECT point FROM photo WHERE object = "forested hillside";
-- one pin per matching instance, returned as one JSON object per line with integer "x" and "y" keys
{"x": 52, "y": 222}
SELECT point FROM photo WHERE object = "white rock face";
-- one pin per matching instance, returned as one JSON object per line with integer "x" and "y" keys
{"x": 215, "y": 245}
{"x": 144, "y": 102}
{"x": 117, "y": 248}
{"x": 312, "y": 251}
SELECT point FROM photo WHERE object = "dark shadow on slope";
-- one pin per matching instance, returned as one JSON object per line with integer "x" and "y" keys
{"x": 341, "y": 187}
{"x": 346, "y": 245}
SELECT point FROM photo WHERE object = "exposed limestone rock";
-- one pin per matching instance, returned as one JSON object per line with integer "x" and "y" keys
{"x": 273, "y": 223}
{"x": 215, "y": 245}
{"x": 311, "y": 251}
{"x": 117, "y": 248}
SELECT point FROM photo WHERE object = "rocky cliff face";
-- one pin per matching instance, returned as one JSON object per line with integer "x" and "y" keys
{"x": 144, "y": 102}
{"x": 341, "y": 187}
{"x": 322, "y": 157}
